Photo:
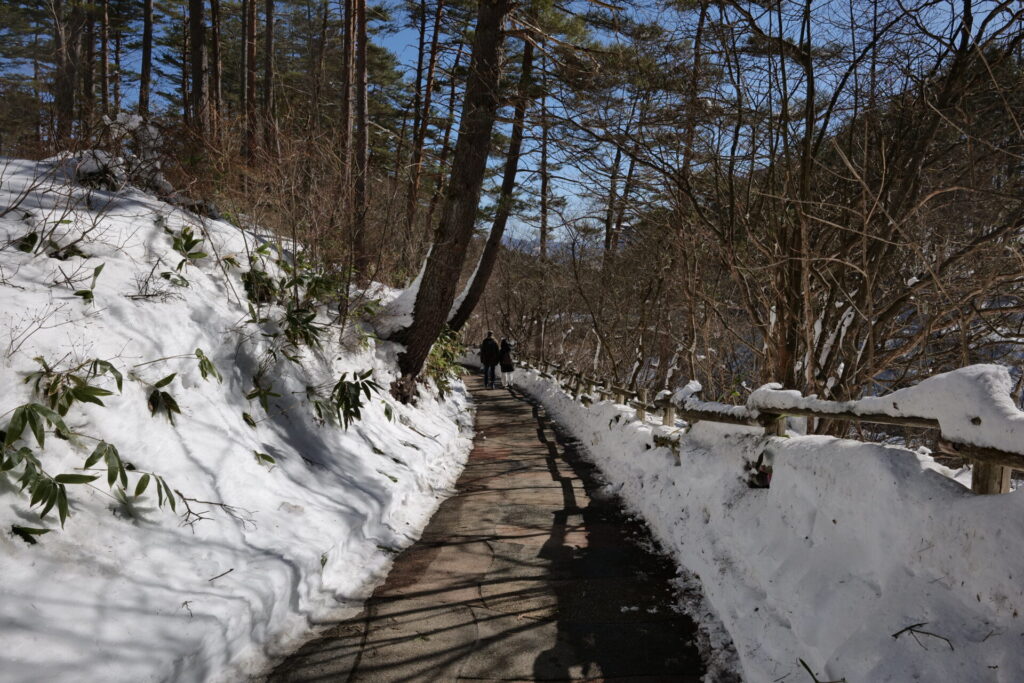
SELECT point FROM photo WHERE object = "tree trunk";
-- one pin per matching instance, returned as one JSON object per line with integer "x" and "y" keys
{"x": 249, "y": 146}
{"x": 87, "y": 69}
{"x": 420, "y": 126}
{"x": 508, "y": 184}
{"x": 216, "y": 69}
{"x": 445, "y": 144}
{"x": 64, "y": 83}
{"x": 105, "y": 57}
{"x": 345, "y": 144}
{"x": 197, "y": 58}
{"x": 544, "y": 163}
{"x": 458, "y": 215}
{"x": 116, "y": 80}
{"x": 147, "y": 58}
{"x": 360, "y": 256}
{"x": 270, "y": 131}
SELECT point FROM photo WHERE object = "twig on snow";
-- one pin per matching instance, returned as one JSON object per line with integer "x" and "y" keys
{"x": 815, "y": 678}
{"x": 915, "y": 631}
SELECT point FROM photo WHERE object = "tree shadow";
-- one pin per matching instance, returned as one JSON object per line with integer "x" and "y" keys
{"x": 616, "y": 608}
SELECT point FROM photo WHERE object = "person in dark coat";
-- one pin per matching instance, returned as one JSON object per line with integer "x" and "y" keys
{"x": 507, "y": 363}
{"x": 490, "y": 355}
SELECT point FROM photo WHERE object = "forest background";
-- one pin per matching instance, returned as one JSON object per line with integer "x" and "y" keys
{"x": 825, "y": 194}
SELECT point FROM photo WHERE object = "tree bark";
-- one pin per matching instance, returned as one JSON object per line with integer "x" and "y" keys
{"x": 360, "y": 256}
{"x": 445, "y": 144}
{"x": 64, "y": 83}
{"x": 544, "y": 164}
{"x": 458, "y": 215}
{"x": 147, "y": 58}
{"x": 249, "y": 146}
{"x": 508, "y": 183}
{"x": 198, "y": 66}
{"x": 105, "y": 57}
{"x": 216, "y": 68}
{"x": 420, "y": 126}
{"x": 269, "y": 130}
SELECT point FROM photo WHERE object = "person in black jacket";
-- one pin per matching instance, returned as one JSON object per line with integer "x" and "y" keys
{"x": 490, "y": 355}
{"x": 506, "y": 362}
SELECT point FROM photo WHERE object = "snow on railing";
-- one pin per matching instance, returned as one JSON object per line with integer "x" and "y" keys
{"x": 971, "y": 408}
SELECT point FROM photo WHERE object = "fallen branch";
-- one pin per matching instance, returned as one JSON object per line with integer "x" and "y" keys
{"x": 915, "y": 631}
{"x": 220, "y": 575}
{"x": 815, "y": 678}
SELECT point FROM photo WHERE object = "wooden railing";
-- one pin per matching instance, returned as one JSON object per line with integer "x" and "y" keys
{"x": 991, "y": 468}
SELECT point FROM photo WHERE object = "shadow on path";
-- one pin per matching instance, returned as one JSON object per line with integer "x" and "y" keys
{"x": 531, "y": 572}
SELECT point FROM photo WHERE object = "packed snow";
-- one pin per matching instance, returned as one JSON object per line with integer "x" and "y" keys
{"x": 286, "y": 524}
{"x": 860, "y": 559}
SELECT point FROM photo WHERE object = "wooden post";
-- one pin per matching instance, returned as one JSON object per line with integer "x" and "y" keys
{"x": 987, "y": 478}
{"x": 668, "y": 415}
{"x": 778, "y": 427}
{"x": 641, "y": 411}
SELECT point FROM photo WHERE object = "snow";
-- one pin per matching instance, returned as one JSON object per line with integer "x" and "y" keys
{"x": 396, "y": 304}
{"x": 852, "y": 543}
{"x": 128, "y": 591}
{"x": 973, "y": 405}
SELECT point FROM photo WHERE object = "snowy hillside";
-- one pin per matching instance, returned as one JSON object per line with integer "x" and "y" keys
{"x": 156, "y": 341}
{"x": 861, "y": 560}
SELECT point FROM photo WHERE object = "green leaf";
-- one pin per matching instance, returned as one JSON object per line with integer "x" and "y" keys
{"x": 97, "y": 453}
{"x": 86, "y": 294}
{"x": 89, "y": 394}
{"x": 27, "y": 534}
{"x": 249, "y": 420}
{"x": 36, "y": 424}
{"x": 165, "y": 381}
{"x": 16, "y": 426}
{"x": 140, "y": 488}
{"x": 52, "y": 494}
{"x": 96, "y": 274}
{"x": 76, "y": 478}
{"x": 62, "y": 506}
{"x": 264, "y": 457}
{"x": 53, "y": 418}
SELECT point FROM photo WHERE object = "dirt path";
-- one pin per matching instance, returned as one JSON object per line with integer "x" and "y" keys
{"x": 528, "y": 574}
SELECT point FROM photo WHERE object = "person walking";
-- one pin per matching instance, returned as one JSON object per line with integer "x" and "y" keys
{"x": 490, "y": 355}
{"x": 507, "y": 363}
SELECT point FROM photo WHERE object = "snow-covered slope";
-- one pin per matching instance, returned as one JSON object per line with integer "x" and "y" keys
{"x": 283, "y": 523}
{"x": 859, "y": 559}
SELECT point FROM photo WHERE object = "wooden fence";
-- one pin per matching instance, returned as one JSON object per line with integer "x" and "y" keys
{"x": 991, "y": 468}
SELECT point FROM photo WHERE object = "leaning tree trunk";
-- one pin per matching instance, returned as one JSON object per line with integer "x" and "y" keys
{"x": 458, "y": 215}
{"x": 508, "y": 184}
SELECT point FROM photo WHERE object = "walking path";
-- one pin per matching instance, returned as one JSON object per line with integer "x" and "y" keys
{"x": 529, "y": 573}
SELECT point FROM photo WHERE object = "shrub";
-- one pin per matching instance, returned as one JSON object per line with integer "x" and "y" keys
{"x": 442, "y": 363}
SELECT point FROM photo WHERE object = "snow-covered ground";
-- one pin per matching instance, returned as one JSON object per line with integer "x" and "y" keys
{"x": 292, "y": 522}
{"x": 861, "y": 560}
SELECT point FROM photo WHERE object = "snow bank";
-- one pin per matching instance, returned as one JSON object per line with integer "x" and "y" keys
{"x": 973, "y": 405}
{"x": 128, "y": 591}
{"x": 852, "y": 544}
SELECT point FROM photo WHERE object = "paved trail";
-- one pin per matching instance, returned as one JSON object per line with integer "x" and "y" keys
{"x": 528, "y": 574}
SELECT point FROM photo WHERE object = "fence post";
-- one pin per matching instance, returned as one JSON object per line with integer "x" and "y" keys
{"x": 987, "y": 478}
{"x": 577, "y": 390}
{"x": 668, "y": 415}
{"x": 641, "y": 411}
